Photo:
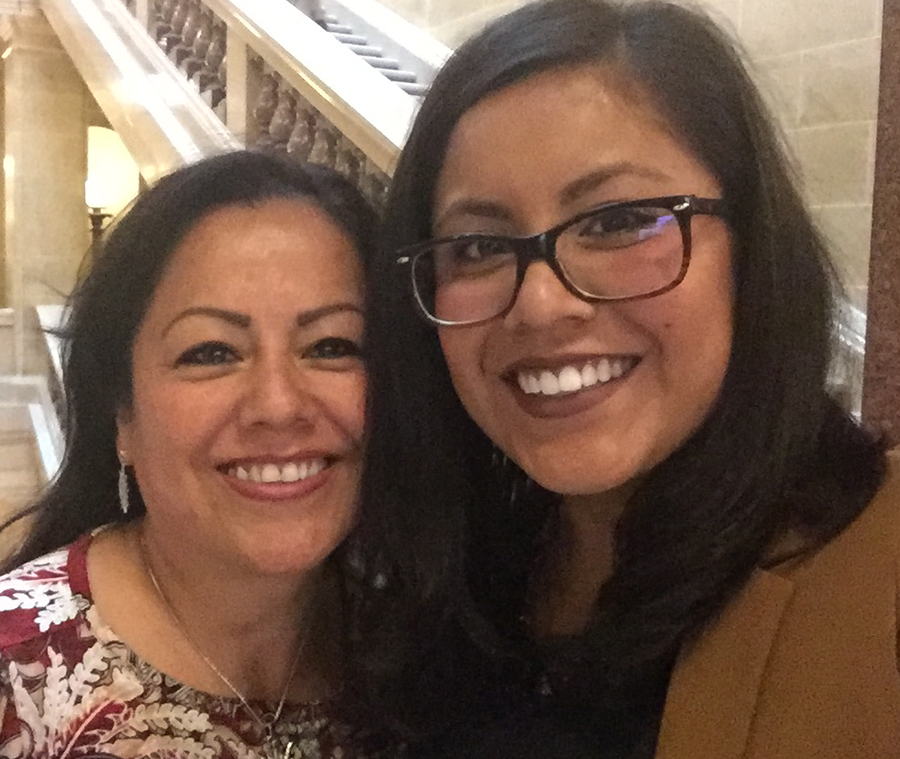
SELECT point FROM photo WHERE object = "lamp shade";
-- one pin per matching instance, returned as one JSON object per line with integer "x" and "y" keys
{"x": 113, "y": 179}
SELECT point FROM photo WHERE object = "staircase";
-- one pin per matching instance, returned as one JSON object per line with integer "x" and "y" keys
{"x": 30, "y": 447}
{"x": 374, "y": 56}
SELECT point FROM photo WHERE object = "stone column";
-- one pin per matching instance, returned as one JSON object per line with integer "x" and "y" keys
{"x": 5, "y": 301}
{"x": 45, "y": 166}
{"x": 238, "y": 103}
{"x": 881, "y": 382}
{"x": 142, "y": 12}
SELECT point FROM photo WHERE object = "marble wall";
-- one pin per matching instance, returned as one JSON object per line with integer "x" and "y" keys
{"x": 819, "y": 62}
{"x": 44, "y": 166}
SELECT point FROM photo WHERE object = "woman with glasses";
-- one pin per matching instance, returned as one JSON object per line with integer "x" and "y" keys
{"x": 617, "y": 511}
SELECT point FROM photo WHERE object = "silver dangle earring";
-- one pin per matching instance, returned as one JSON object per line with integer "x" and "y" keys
{"x": 123, "y": 486}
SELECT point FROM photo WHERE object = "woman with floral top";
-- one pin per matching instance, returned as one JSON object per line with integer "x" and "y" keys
{"x": 180, "y": 591}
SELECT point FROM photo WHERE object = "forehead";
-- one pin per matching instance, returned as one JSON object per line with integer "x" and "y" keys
{"x": 537, "y": 136}
{"x": 277, "y": 253}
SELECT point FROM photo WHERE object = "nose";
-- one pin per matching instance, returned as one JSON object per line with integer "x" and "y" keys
{"x": 277, "y": 396}
{"x": 543, "y": 300}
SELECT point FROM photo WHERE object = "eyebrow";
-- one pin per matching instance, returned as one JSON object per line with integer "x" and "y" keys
{"x": 484, "y": 209}
{"x": 308, "y": 317}
{"x": 232, "y": 317}
{"x": 580, "y": 187}
{"x": 572, "y": 192}
{"x": 243, "y": 321}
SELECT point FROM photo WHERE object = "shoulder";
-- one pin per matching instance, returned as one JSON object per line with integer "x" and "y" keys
{"x": 859, "y": 569}
{"x": 878, "y": 526}
{"x": 44, "y": 594}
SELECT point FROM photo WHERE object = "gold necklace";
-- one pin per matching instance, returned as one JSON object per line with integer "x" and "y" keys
{"x": 267, "y": 723}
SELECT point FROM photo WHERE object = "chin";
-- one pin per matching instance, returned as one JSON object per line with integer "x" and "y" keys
{"x": 288, "y": 565}
{"x": 291, "y": 557}
{"x": 586, "y": 479}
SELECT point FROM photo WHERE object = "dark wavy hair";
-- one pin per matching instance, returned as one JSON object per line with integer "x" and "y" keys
{"x": 456, "y": 531}
{"x": 106, "y": 310}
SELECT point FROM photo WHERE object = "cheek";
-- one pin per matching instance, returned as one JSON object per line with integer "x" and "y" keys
{"x": 343, "y": 400}
{"x": 175, "y": 419}
{"x": 463, "y": 350}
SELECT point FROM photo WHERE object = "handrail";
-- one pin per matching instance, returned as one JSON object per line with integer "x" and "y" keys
{"x": 162, "y": 120}
{"x": 369, "y": 110}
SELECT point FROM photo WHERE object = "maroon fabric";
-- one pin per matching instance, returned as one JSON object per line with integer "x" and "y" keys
{"x": 70, "y": 688}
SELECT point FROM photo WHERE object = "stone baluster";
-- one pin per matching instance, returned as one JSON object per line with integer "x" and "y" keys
{"x": 265, "y": 107}
{"x": 164, "y": 9}
{"x": 374, "y": 184}
{"x": 212, "y": 77}
{"x": 194, "y": 63}
{"x": 282, "y": 124}
{"x": 300, "y": 143}
{"x": 349, "y": 162}
{"x": 173, "y": 38}
{"x": 185, "y": 48}
{"x": 219, "y": 91}
{"x": 324, "y": 149}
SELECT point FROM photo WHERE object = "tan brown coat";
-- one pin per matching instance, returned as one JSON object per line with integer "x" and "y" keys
{"x": 804, "y": 662}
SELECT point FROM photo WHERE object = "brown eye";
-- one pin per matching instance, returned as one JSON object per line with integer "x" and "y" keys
{"x": 479, "y": 249}
{"x": 621, "y": 227}
{"x": 333, "y": 348}
{"x": 208, "y": 354}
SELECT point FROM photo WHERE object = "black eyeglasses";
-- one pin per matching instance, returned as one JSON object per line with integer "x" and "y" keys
{"x": 617, "y": 251}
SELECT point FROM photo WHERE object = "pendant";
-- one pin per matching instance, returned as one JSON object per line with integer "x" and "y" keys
{"x": 272, "y": 751}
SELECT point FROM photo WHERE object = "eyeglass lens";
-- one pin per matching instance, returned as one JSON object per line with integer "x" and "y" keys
{"x": 618, "y": 252}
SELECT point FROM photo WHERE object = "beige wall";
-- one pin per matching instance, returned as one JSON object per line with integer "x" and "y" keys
{"x": 819, "y": 62}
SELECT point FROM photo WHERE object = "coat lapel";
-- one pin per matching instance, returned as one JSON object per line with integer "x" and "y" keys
{"x": 716, "y": 681}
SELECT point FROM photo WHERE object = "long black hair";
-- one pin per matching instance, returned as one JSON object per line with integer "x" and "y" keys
{"x": 106, "y": 309}
{"x": 456, "y": 529}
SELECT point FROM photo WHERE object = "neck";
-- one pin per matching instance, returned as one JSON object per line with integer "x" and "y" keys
{"x": 577, "y": 563}
{"x": 250, "y": 626}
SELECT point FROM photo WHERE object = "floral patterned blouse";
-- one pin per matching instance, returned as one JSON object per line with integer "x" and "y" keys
{"x": 70, "y": 688}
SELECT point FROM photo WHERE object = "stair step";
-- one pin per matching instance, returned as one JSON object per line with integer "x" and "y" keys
{"x": 414, "y": 88}
{"x": 370, "y": 50}
{"x": 399, "y": 76}
{"x": 381, "y": 63}
{"x": 330, "y": 18}
{"x": 350, "y": 39}
{"x": 336, "y": 28}
{"x": 18, "y": 483}
{"x": 19, "y": 456}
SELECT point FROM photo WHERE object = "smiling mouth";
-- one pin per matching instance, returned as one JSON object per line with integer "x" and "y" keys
{"x": 572, "y": 378}
{"x": 281, "y": 472}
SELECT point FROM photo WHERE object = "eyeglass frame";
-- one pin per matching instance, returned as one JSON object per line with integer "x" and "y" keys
{"x": 542, "y": 247}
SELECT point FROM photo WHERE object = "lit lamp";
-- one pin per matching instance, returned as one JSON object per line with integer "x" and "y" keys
{"x": 96, "y": 203}
{"x": 112, "y": 178}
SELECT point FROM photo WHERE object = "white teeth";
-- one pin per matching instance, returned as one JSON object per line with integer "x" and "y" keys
{"x": 290, "y": 472}
{"x": 270, "y": 473}
{"x": 571, "y": 379}
{"x": 604, "y": 374}
{"x": 549, "y": 384}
